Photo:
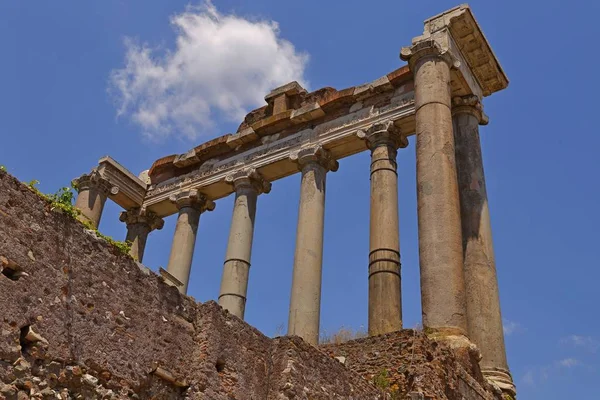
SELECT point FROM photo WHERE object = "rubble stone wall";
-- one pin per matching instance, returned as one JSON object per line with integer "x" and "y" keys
{"x": 79, "y": 319}
{"x": 407, "y": 361}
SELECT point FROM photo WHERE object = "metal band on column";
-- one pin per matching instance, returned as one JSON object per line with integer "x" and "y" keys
{"x": 385, "y": 299}
{"x": 248, "y": 184}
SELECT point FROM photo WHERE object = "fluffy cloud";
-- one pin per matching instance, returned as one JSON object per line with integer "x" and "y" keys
{"x": 221, "y": 67}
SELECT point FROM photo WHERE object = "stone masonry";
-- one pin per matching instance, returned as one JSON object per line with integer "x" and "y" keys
{"x": 78, "y": 318}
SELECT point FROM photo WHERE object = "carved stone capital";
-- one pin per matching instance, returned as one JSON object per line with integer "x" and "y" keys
{"x": 471, "y": 105}
{"x": 428, "y": 49}
{"x": 248, "y": 178}
{"x": 315, "y": 155}
{"x": 192, "y": 198}
{"x": 94, "y": 180}
{"x": 383, "y": 134}
{"x": 142, "y": 216}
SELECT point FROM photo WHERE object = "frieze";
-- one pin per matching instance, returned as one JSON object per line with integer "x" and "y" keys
{"x": 215, "y": 167}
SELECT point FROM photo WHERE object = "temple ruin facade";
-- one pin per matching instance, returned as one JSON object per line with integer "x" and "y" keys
{"x": 436, "y": 101}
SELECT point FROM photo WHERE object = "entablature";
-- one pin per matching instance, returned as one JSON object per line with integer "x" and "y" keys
{"x": 294, "y": 119}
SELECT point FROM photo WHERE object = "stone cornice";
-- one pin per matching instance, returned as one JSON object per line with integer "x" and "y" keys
{"x": 131, "y": 190}
{"x": 383, "y": 134}
{"x": 248, "y": 178}
{"x": 458, "y": 31}
{"x": 192, "y": 198}
{"x": 142, "y": 216}
{"x": 471, "y": 105}
{"x": 314, "y": 155}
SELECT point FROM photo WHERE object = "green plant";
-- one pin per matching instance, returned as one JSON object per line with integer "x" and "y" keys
{"x": 123, "y": 247}
{"x": 33, "y": 183}
{"x": 2, "y": 168}
{"x": 382, "y": 380}
{"x": 62, "y": 200}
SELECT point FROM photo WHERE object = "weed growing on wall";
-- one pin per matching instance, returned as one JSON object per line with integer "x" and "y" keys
{"x": 62, "y": 201}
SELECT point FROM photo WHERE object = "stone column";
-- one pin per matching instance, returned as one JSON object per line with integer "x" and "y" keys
{"x": 440, "y": 239}
{"x": 385, "y": 300}
{"x": 248, "y": 184}
{"x": 481, "y": 284}
{"x": 139, "y": 224}
{"x": 191, "y": 204}
{"x": 305, "y": 300}
{"x": 93, "y": 190}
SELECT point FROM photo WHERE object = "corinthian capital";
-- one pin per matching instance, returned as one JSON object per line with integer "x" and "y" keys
{"x": 142, "y": 216}
{"x": 469, "y": 104}
{"x": 383, "y": 134}
{"x": 192, "y": 198}
{"x": 249, "y": 178}
{"x": 428, "y": 48}
{"x": 94, "y": 180}
{"x": 315, "y": 155}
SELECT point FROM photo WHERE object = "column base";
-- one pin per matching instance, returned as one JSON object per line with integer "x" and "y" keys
{"x": 502, "y": 379}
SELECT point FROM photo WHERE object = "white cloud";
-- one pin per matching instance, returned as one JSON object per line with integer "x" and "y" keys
{"x": 510, "y": 327}
{"x": 541, "y": 374}
{"x": 528, "y": 378}
{"x": 586, "y": 342}
{"x": 222, "y": 67}
{"x": 568, "y": 363}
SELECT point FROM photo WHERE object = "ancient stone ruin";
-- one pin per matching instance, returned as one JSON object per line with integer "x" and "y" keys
{"x": 80, "y": 320}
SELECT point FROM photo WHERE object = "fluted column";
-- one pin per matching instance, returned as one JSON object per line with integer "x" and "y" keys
{"x": 483, "y": 302}
{"x": 305, "y": 301}
{"x": 440, "y": 239}
{"x": 93, "y": 190}
{"x": 385, "y": 300}
{"x": 190, "y": 204}
{"x": 248, "y": 184}
{"x": 139, "y": 224}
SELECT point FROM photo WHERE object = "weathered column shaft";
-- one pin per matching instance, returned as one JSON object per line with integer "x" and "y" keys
{"x": 305, "y": 300}
{"x": 440, "y": 240}
{"x": 481, "y": 284}
{"x": 139, "y": 224}
{"x": 93, "y": 190}
{"x": 385, "y": 300}
{"x": 234, "y": 284}
{"x": 137, "y": 235}
{"x": 190, "y": 204}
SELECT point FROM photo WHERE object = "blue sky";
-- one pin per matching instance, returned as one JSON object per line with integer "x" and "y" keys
{"x": 61, "y": 112}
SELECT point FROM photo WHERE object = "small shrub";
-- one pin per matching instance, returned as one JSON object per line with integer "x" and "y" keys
{"x": 63, "y": 201}
{"x": 382, "y": 380}
{"x": 342, "y": 335}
